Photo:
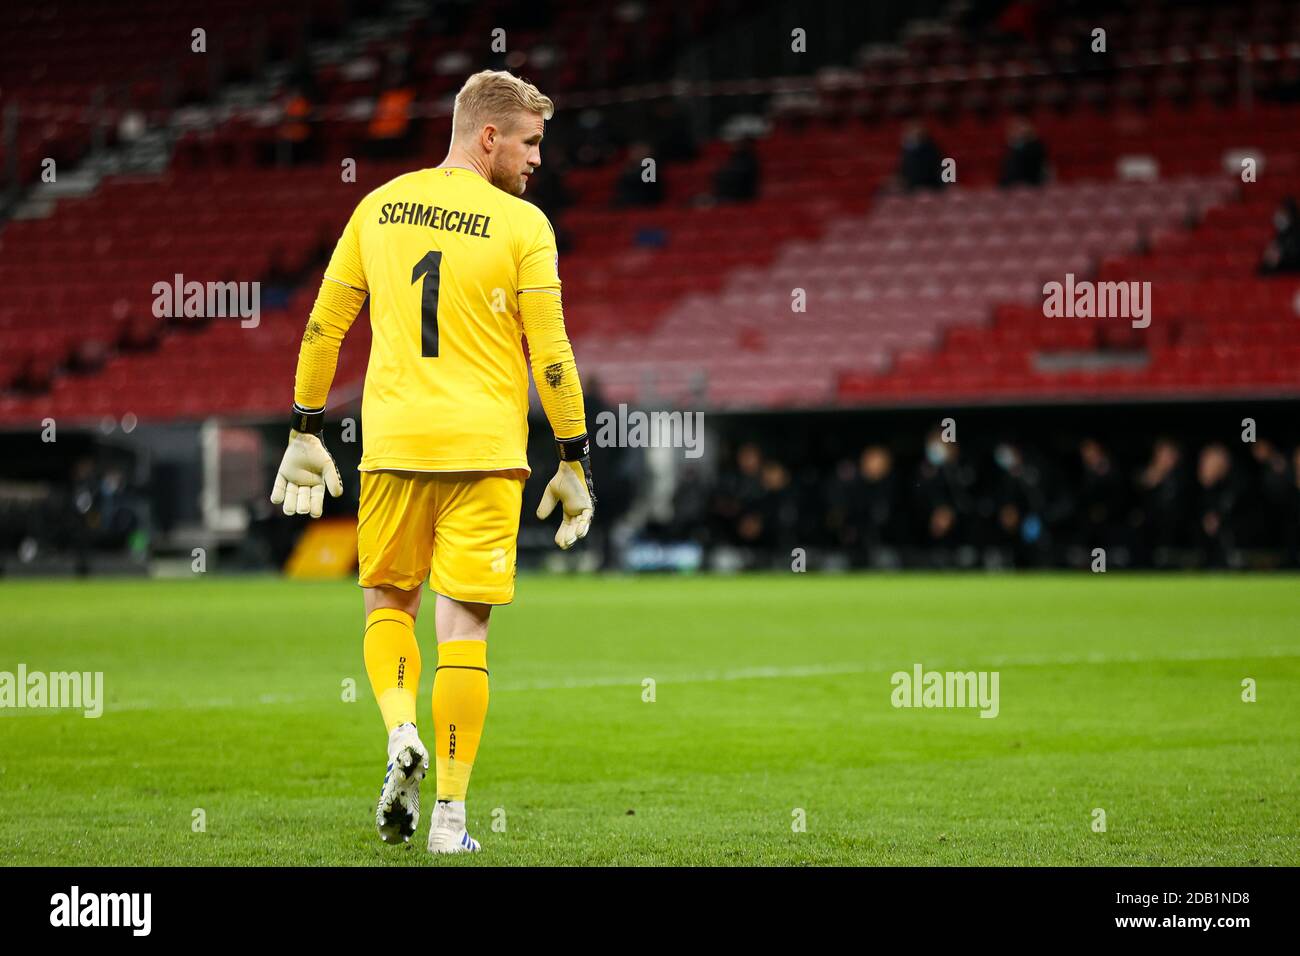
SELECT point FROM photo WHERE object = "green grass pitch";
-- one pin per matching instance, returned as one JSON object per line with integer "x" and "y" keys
{"x": 771, "y": 696}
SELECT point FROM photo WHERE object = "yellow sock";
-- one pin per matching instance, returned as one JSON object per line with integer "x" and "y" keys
{"x": 393, "y": 663}
{"x": 460, "y": 702}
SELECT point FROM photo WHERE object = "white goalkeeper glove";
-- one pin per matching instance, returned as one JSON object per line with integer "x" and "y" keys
{"x": 571, "y": 487}
{"x": 306, "y": 471}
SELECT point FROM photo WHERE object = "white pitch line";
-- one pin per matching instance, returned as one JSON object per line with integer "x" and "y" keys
{"x": 1135, "y": 658}
{"x": 815, "y": 670}
{"x": 747, "y": 673}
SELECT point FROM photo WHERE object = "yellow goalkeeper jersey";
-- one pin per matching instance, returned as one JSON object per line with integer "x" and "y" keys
{"x": 444, "y": 255}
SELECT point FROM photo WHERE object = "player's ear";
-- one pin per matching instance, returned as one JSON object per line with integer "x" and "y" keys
{"x": 488, "y": 138}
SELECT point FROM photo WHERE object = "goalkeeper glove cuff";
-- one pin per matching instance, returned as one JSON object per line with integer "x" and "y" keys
{"x": 573, "y": 449}
{"x": 571, "y": 487}
{"x": 307, "y": 421}
{"x": 577, "y": 451}
{"x": 307, "y": 470}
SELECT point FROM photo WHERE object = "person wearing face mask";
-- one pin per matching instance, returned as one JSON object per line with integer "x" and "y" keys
{"x": 1283, "y": 253}
{"x": 945, "y": 504}
{"x": 1021, "y": 507}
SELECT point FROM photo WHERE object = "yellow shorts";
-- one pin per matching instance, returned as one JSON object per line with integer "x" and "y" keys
{"x": 457, "y": 528}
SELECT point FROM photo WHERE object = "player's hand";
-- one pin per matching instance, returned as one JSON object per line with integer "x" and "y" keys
{"x": 306, "y": 470}
{"x": 572, "y": 488}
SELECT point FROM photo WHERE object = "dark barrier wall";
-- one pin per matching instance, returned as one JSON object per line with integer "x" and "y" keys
{"x": 1211, "y": 485}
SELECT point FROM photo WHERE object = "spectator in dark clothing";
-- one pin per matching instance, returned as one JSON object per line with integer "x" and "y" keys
{"x": 737, "y": 179}
{"x": 863, "y": 504}
{"x": 945, "y": 488}
{"x": 840, "y": 528}
{"x": 874, "y": 506}
{"x": 1283, "y": 253}
{"x": 1274, "y": 521}
{"x": 1219, "y": 497}
{"x": 1102, "y": 498}
{"x": 1025, "y": 161}
{"x": 1022, "y": 510}
{"x": 777, "y": 511}
{"x": 920, "y": 164}
{"x": 639, "y": 184}
{"x": 1162, "y": 499}
{"x": 738, "y": 493}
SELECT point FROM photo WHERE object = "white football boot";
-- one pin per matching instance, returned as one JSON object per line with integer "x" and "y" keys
{"x": 398, "y": 813}
{"x": 447, "y": 833}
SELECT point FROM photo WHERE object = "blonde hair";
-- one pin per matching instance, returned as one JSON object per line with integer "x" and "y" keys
{"x": 495, "y": 96}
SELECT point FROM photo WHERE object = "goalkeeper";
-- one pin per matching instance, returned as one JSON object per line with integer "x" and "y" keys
{"x": 459, "y": 270}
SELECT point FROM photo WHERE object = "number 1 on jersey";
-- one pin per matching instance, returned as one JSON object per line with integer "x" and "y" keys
{"x": 428, "y": 267}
